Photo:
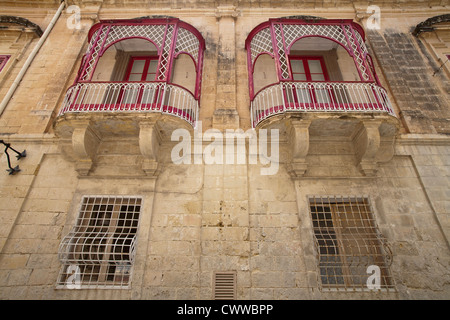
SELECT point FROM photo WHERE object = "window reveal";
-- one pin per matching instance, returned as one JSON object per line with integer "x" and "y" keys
{"x": 348, "y": 243}
{"x": 99, "y": 250}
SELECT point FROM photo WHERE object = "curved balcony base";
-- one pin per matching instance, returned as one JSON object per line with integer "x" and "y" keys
{"x": 318, "y": 143}
{"x": 115, "y": 144}
{"x": 131, "y": 97}
{"x": 313, "y": 97}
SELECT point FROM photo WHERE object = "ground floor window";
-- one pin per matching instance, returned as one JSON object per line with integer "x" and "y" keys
{"x": 352, "y": 254}
{"x": 99, "y": 250}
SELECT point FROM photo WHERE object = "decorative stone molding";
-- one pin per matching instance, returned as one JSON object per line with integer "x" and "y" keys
{"x": 85, "y": 141}
{"x": 149, "y": 143}
{"x": 96, "y": 141}
{"x": 367, "y": 144}
{"x": 298, "y": 141}
{"x": 428, "y": 25}
{"x": 371, "y": 141}
{"x": 29, "y": 26}
{"x": 227, "y": 12}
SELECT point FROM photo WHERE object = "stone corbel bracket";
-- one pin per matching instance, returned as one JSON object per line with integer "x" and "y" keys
{"x": 298, "y": 141}
{"x": 149, "y": 145}
{"x": 85, "y": 142}
{"x": 227, "y": 11}
{"x": 371, "y": 147}
{"x": 362, "y": 15}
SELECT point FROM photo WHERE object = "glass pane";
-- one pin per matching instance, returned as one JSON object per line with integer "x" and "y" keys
{"x": 152, "y": 66}
{"x": 317, "y": 77}
{"x": 299, "y": 77}
{"x": 303, "y": 95}
{"x": 150, "y": 77}
{"x": 138, "y": 66}
{"x": 297, "y": 66}
{"x": 314, "y": 66}
{"x": 135, "y": 77}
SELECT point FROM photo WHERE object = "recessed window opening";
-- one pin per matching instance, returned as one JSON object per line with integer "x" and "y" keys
{"x": 349, "y": 246}
{"x": 99, "y": 250}
{"x": 325, "y": 60}
{"x": 123, "y": 60}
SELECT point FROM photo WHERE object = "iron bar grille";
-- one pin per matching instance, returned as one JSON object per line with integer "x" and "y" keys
{"x": 99, "y": 250}
{"x": 224, "y": 285}
{"x": 350, "y": 248}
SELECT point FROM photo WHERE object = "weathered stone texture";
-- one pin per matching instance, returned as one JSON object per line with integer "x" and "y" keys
{"x": 200, "y": 218}
{"x": 423, "y": 107}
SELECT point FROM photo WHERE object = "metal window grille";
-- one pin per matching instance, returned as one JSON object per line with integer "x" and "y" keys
{"x": 95, "y": 47}
{"x": 281, "y": 51}
{"x": 113, "y": 33}
{"x": 224, "y": 285}
{"x": 349, "y": 246}
{"x": 99, "y": 250}
{"x": 360, "y": 61}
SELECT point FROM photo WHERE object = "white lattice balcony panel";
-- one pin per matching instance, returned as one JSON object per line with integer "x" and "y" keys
{"x": 131, "y": 97}
{"x": 319, "y": 97}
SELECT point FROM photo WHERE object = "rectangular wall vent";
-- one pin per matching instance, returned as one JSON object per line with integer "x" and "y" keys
{"x": 225, "y": 285}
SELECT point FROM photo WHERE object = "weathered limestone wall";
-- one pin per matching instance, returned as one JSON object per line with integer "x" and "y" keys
{"x": 201, "y": 218}
{"x": 424, "y": 107}
{"x": 36, "y": 99}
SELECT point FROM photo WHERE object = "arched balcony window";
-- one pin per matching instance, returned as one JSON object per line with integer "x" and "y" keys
{"x": 319, "y": 65}
{"x": 140, "y": 65}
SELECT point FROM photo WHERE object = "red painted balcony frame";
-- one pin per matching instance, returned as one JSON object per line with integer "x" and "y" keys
{"x": 3, "y": 60}
{"x": 170, "y": 36}
{"x": 140, "y": 97}
{"x": 275, "y": 37}
{"x": 351, "y": 96}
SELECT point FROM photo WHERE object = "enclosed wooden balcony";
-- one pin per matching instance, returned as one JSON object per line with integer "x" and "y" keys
{"x": 139, "y": 66}
{"x": 316, "y": 65}
{"x": 314, "y": 80}
{"x": 139, "y": 80}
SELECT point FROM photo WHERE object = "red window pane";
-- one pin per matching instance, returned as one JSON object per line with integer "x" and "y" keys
{"x": 142, "y": 69}
{"x": 308, "y": 68}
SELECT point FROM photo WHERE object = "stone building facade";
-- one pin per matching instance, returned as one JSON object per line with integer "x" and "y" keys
{"x": 241, "y": 150}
